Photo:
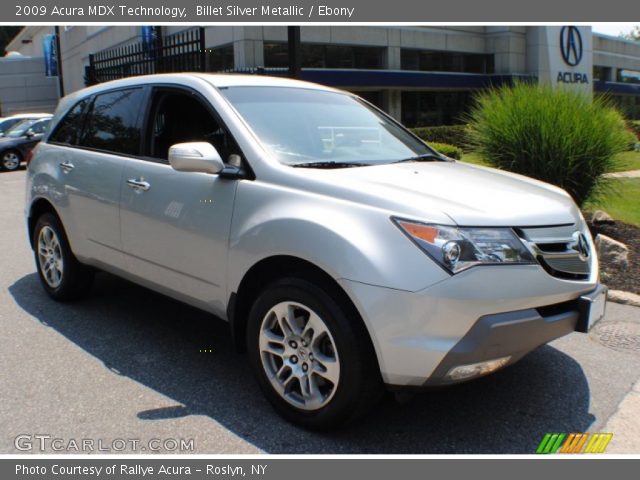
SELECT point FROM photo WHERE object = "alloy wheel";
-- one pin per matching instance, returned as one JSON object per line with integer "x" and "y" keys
{"x": 299, "y": 355}
{"x": 50, "y": 257}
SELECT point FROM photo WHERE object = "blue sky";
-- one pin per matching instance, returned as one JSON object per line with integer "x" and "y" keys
{"x": 614, "y": 28}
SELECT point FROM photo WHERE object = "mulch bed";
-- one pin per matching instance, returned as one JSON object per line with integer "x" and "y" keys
{"x": 615, "y": 278}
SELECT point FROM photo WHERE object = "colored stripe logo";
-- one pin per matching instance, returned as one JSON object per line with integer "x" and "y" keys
{"x": 574, "y": 443}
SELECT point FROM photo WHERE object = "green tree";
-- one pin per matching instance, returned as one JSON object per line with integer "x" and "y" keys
{"x": 633, "y": 34}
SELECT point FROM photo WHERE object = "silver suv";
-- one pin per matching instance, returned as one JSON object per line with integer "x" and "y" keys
{"x": 345, "y": 253}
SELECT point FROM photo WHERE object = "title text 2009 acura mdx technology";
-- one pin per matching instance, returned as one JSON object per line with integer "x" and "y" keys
{"x": 345, "y": 253}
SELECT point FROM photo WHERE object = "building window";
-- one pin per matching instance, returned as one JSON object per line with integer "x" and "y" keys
{"x": 628, "y": 76}
{"x": 436, "y": 61}
{"x": 423, "y": 109}
{"x": 629, "y": 105}
{"x": 276, "y": 54}
{"x": 220, "y": 58}
{"x": 602, "y": 74}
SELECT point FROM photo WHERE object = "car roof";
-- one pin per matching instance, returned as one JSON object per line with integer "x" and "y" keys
{"x": 218, "y": 80}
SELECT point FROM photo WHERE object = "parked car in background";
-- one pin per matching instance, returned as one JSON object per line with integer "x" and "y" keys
{"x": 345, "y": 253}
{"x": 19, "y": 140}
{"x": 7, "y": 122}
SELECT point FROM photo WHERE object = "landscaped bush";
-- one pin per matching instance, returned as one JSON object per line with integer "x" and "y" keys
{"x": 452, "y": 134}
{"x": 631, "y": 140}
{"x": 555, "y": 135}
{"x": 634, "y": 126}
{"x": 449, "y": 150}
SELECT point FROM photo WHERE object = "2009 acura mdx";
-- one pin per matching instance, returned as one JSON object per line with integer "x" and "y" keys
{"x": 345, "y": 253}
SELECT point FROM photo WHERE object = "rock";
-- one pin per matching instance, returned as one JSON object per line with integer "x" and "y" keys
{"x": 626, "y": 298}
{"x": 601, "y": 217}
{"x": 612, "y": 253}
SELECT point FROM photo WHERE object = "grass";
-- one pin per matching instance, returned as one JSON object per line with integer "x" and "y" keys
{"x": 621, "y": 200}
{"x": 627, "y": 161}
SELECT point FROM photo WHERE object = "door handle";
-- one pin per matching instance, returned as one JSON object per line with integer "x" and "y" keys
{"x": 138, "y": 184}
{"x": 67, "y": 166}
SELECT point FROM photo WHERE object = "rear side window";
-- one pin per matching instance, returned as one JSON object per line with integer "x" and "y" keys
{"x": 70, "y": 127}
{"x": 113, "y": 122}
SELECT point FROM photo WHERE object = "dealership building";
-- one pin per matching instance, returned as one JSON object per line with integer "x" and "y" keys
{"x": 425, "y": 75}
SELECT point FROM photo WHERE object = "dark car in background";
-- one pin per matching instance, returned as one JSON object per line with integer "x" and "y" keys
{"x": 16, "y": 142}
{"x": 7, "y": 122}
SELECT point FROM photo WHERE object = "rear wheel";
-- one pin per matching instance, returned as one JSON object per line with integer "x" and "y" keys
{"x": 312, "y": 362}
{"x": 10, "y": 160}
{"x": 61, "y": 274}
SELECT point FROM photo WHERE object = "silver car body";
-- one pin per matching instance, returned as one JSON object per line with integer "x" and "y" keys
{"x": 194, "y": 236}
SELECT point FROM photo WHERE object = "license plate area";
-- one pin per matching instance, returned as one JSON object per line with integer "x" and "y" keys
{"x": 591, "y": 307}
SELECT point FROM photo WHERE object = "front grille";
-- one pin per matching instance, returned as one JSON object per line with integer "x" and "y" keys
{"x": 557, "y": 250}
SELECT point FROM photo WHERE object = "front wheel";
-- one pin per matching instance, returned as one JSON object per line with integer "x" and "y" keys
{"x": 61, "y": 274}
{"x": 314, "y": 363}
{"x": 10, "y": 160}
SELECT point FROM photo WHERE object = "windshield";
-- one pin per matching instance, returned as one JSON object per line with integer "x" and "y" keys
{"x": 19, "y": 129}
{"x": 303, "y": 126}
{"x": 7, "y": 123}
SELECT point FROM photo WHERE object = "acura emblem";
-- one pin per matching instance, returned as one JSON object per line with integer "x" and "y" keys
{"x": 571, "y": 45}
{"x": 581, "y": 245}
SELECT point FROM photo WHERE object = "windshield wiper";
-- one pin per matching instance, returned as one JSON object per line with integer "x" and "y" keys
{"x": 425, "y": 157}
{"x": 330, "y": 164}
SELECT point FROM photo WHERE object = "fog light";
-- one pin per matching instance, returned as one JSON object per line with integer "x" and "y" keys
{"x": 462, "y": 372}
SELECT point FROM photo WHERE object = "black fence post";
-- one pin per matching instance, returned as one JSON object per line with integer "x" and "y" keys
{"x": 295, "y": 61}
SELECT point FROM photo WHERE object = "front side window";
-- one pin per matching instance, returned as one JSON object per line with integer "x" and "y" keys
{"x": 40, "y": 127}
{"x": 113, "y": 122}
{"x": 304, "y": 126}
{"x": 179, "y": 117}
{"x": 70, "y": 127}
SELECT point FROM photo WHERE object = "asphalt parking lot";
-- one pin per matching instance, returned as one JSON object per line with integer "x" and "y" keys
{"x": 128, "y": 363}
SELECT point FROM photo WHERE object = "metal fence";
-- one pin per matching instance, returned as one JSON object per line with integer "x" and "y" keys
{"x": 180, "y": 52}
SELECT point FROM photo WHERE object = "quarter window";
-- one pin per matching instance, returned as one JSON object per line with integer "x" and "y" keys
{"x": 70, "y": 127}
{"x": 113, "y": 122}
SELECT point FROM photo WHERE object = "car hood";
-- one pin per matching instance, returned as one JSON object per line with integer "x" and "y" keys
{"x": 464, "y": 194}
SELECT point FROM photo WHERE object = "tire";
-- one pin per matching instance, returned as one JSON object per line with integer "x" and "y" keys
{"x": 61, "y": 274}
{"x": 334, "y": 347}
{"x": 10, "y": 160}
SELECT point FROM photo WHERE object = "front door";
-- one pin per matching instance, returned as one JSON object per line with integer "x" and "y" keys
{"x": 175, "y": 225}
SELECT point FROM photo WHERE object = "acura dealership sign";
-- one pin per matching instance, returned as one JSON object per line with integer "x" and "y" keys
{"x": 561, "y": 56}
{"x": 571, "y": 49}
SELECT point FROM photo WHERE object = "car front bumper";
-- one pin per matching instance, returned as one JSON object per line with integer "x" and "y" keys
{"x": 493, "y": 314}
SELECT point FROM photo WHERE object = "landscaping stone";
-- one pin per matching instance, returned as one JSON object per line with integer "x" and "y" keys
{"x": 601, "y": 217}
{"x": 612, "y": 252}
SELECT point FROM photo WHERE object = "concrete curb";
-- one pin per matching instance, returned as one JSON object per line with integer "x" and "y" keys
{"x": 626, "y": 298}
{"x": 625, "y": 424}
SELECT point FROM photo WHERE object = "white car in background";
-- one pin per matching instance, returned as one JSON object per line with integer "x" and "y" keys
{"x": 346, "y": 254}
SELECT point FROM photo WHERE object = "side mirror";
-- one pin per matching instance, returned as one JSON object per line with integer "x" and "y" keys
{"x": 195, "y": 157}
{"x": 29, "y": 133}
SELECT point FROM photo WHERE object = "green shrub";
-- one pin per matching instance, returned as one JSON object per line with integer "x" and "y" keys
{"x": 452, "y": 134}
{"x": 555, "y": 135}
{"x": 634, "y": 126}
{"x": 631, "y": 139}
{"x": 449, "y": 150}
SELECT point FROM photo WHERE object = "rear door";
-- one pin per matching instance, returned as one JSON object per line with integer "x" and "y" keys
{"x": 91, "y": 159}
{"x": 175, "y": 225}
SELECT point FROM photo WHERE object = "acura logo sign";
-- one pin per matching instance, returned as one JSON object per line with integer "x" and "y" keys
{"x": 581, "y": 245}
{"x": 571, "y": 45}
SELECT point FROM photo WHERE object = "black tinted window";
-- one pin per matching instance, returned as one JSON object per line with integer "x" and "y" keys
{"x": 70, "y": 127}
{"x": 112, "y": 122}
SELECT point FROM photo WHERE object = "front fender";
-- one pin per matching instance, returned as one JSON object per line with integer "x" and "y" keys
{"x": 345, "y": 239}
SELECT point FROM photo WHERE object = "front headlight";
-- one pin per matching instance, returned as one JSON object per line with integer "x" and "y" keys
{"x": 457, "y": 249}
